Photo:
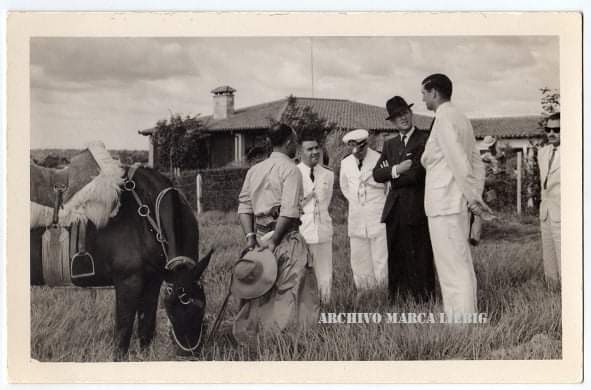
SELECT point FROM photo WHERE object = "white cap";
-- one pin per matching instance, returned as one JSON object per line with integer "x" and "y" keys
{"x": 488, "y": 141}
{"x": 356, "y": 135}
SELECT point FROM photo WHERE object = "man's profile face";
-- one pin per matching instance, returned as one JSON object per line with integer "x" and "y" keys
{"x": 310, "y": 153}
{"x": 358, "y": 148}
{"x": 428, "y": 98}
{"x": 403, "y": 122}
{"x": 552, "y": 130}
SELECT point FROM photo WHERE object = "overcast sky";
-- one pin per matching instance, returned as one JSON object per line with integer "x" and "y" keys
{"x": 84, "y": 89}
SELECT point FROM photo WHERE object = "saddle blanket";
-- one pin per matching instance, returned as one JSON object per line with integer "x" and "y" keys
{"x": 92, "y": 183}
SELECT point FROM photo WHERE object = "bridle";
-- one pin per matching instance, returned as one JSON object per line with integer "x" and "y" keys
{"x": 143, "y": 211}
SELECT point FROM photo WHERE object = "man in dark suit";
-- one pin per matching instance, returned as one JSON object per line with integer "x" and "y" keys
{"x": 410, "y": 257}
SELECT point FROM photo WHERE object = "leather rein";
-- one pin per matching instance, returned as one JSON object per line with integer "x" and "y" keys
{"x": 143, "y": 211}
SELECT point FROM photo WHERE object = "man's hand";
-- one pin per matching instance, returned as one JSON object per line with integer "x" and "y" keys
{"x": 384, "y": 164}
{"x": 250, "y": 245}
{"x": 269, "y": 244}
{"x": 482, "y": 210}
{"x": 403, "y": 166}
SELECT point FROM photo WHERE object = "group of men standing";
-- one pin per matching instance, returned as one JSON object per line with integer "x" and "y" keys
{"x": 409, "y": 213}
{"x": 435, "y": 179}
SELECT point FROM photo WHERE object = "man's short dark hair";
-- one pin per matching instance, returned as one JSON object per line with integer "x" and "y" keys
{"x": 555, "y": 116}
{"x": 440, "y": 82}
{"x": 279, "y": 134}
{"x": 309, "y": 135}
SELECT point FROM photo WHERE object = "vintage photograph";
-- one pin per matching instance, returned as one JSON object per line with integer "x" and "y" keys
{"x": 391, "y": 223}
{"x": 308, "y": 198}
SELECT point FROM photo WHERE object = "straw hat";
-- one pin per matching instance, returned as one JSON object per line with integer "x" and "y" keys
{"x": 254, "y": 274}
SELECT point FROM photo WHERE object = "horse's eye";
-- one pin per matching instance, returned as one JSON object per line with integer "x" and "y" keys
{"x": 169, "y": 290}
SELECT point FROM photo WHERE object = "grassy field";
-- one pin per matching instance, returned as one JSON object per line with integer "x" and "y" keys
{"x": 524, "y": 316}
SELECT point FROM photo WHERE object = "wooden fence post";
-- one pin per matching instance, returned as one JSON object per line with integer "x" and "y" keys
{"x": 519, "y": 183}
{"x": 198, "y": 184}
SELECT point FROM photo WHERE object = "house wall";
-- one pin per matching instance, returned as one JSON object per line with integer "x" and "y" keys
{"x": 221, "y": 147}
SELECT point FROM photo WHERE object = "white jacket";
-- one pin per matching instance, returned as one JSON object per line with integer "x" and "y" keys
{"x": 366, "y": 197}
{"x": 455, "y": 171}
{"x": 550, "y": 205}
{"x": 316, "y": 224}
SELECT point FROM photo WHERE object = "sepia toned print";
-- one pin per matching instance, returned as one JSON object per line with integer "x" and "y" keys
{"x": 160, "y": 167}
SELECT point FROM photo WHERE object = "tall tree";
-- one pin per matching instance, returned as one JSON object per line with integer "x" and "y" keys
{"x": 181, "y": 143}
{"x": 304, "y": 118}
{"x": 550, "y": 101}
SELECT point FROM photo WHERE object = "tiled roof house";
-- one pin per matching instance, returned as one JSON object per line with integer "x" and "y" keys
{"x": 235, "y": 131}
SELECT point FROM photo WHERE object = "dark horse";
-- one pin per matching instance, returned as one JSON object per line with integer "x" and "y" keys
{"x": 137, "y": 256}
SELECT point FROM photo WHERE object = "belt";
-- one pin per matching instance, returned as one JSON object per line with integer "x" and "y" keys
{"x": 264, "y": 228}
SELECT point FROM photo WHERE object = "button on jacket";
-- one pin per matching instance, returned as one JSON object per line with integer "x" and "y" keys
{"x": 455, "y": 172}
{"x": 316, "y": 224}
{"x": 366, "y": 197}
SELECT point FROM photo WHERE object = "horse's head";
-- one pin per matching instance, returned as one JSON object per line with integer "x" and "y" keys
{"x": 175, "y": 230}
{"x": 184, "y": 300}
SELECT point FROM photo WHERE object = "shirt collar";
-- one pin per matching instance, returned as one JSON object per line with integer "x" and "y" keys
{"x": 306, "y": 168}
{"x": 443, "y": 106}
{"x": 409, "y": 134}
{"x": 280, "y": 156}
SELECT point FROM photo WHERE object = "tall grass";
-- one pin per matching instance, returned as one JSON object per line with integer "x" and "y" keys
{"x": 524, "y": 316}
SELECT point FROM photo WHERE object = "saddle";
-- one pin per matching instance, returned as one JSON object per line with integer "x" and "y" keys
{"x": 64, "y": 201}
{"x": 82, "y": 169}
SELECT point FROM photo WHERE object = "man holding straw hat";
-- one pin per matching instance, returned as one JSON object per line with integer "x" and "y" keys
{"x": 269, "y": 211}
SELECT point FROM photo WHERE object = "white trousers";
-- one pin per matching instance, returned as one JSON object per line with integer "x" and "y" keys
{"x": 369, "y": 261}
{"x": 453, "y": 262}
{"x": 551, "y": 249}
{"x": 322, "y": 260}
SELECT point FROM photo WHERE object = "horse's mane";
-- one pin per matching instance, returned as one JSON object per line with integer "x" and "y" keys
{"x": 149, "y": 183}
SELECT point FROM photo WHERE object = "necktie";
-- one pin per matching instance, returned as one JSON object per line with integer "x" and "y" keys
{"x": 312, "y": 174}
{"x": 404, "y": 139}
{"x": 359, "y": 164}
{"x": 549, "y": 165}
{"x": 432, "y": 122}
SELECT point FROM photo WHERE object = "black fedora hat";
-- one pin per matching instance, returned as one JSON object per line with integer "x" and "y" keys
{"x": 396, "y": 106}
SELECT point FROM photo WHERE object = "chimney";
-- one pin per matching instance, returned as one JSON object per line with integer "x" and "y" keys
{"x": 223, "y": 102}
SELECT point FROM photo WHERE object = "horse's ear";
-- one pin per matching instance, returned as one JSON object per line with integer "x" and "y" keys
{"x": 202, "y": 264}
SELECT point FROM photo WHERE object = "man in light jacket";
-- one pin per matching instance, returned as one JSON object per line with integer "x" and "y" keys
{"x": 453, "y": 184}
{"x": 369, "y": 248}
{"x": 549, "y": 163}
{"x": 316, "y": 227}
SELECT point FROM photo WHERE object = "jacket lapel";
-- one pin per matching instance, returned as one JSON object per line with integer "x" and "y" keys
{"x": 411, "y": 143}
{"x": 398, "y": 150}
{"x": 556, "y": 161}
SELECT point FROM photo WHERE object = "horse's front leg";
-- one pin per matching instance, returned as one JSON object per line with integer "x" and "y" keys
{"x": 147, "y": 311}
{"x": 128, "y": 291}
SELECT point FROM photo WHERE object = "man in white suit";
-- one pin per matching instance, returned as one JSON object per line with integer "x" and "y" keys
{"x": 369, "y": 247}
{"x": 549, "y": 163}
{"x": 453, "y": 184}
{"x": 316, "y": 224}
